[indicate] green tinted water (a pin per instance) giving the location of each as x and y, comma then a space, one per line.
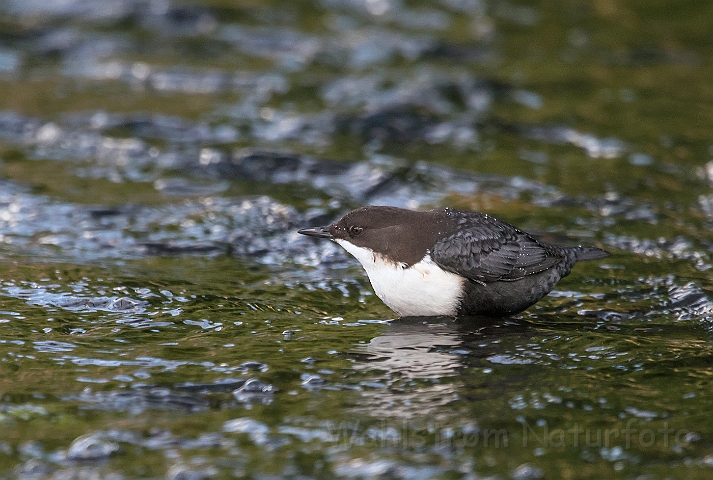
118, 361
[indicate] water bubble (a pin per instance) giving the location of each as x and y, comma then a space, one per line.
91, 447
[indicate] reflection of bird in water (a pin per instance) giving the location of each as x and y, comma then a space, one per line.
419, 359
415, 348
451, 262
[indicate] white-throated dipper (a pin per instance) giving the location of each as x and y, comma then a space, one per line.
451, 262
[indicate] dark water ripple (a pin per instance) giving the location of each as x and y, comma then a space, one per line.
254, 227
139, 401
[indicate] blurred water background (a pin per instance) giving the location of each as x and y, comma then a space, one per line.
160, 317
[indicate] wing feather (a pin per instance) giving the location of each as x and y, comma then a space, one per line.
486, 250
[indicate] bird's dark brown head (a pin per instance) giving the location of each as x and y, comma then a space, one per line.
402, 235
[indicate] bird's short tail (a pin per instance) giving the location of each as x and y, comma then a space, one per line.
589, 253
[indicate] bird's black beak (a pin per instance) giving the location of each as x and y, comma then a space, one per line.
319, 232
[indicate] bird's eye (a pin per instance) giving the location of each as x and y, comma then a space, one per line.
354, 230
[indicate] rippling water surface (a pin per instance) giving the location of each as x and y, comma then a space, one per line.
161, 317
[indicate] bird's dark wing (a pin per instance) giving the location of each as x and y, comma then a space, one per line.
485, 249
